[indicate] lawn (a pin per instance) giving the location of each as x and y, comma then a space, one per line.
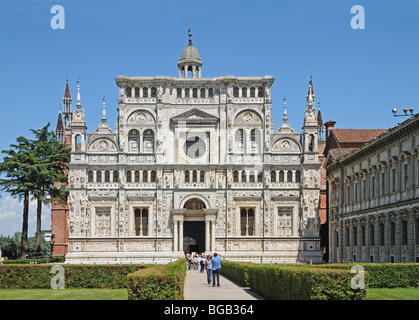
393, 293
65, 294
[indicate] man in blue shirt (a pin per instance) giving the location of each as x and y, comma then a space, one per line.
216, 267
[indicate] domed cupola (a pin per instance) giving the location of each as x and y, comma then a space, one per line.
190, 60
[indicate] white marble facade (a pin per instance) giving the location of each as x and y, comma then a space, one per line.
194, 164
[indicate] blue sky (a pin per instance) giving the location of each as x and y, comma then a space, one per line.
358, 75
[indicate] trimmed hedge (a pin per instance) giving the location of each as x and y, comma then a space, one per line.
294, 283
163, 282
76, 276
386, 275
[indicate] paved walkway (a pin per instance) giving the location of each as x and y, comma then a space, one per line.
197, 288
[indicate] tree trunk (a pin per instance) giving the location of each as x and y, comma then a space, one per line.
38, 226
24, 244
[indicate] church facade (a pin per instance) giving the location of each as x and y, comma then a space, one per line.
193, 165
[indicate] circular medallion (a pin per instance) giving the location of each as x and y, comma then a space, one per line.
141, 117
248, 117
103, 145
194, 147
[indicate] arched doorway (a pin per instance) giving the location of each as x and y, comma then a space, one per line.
194, 226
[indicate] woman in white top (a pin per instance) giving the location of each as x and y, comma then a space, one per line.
208, 266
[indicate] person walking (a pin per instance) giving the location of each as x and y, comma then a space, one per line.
208, 266
202, 262
189, 258
199, 262
216, 268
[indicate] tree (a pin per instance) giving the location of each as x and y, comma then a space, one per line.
18, 166
32, 167
51, 157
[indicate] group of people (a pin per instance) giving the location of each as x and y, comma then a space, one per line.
212, 265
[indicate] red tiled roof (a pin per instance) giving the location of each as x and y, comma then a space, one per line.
356, 135
340, 152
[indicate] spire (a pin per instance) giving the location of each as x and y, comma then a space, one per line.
78, 105
310, 94
104, 111
319, 118
67, 102
285, 119
67, 89
285, 126
60, 126
190, 34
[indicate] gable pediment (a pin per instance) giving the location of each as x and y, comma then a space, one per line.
196, 116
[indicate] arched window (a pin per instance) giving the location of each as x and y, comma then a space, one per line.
252, 177
260, 92
187, 178
194, 93
128, 92
78, 143
179, 92
254, 140
145, 176
90, 176
145, 92
252, 92
194, 176
107, 176
311, 143
289, 176
273, 176
115, 176
244, 92
235, 176
187, 93
210, 93
194, 204
153, 176
297, 176
98, 176
153, 92
243, 176
239, 141
202, 176
134, 140
129, 177
281, 176
148, 140
236, 92
137, 176
202, 92
137, 92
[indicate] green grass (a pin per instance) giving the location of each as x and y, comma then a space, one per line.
411, 293
65, 294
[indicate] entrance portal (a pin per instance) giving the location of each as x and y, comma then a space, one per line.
194, 236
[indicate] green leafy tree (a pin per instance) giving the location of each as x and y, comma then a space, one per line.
32, 167
51, 158
18, 167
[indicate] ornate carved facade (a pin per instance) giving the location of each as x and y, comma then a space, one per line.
194, 164
373, 198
